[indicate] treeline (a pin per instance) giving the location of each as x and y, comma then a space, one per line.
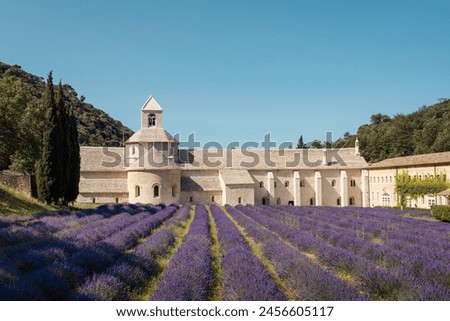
424, 131
22, 118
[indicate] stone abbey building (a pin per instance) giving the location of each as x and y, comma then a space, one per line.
151, 168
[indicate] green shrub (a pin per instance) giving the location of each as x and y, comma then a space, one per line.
441, 212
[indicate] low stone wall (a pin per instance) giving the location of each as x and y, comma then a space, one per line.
19, 182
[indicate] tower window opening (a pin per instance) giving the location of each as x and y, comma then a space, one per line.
152, 120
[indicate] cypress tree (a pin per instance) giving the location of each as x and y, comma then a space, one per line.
47, 170
74, 159
64, 148
300, 143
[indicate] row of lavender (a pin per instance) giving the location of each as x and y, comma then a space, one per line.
189, 274
385, 255
51, 257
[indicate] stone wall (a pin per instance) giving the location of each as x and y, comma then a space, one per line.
19, 182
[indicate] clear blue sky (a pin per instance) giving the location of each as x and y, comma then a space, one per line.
238, 69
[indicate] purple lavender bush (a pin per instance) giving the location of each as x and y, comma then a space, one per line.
244, 276
188, 275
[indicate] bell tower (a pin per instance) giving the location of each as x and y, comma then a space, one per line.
152, 172
151, 114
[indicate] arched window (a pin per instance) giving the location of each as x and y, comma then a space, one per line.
278, 201
174, 190
286, 183
261, 184
338, 201
352, 183
302, 183
93, 200
265, 201
351, 201
137, 191
312, 201
333, 183
191, 199
275, 184
213, 199
117, 200
239, 200
156, 191
151, 120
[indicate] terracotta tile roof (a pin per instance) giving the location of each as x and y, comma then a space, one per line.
101, 159
445, 193
260, 159
103, 186
151, 104
151, 134
413, 161
200, 183
236, 177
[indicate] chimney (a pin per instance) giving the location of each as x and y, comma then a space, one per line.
357, 153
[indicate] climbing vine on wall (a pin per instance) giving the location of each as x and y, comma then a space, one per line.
414, 187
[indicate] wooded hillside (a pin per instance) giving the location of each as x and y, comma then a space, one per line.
425, 131
21, 119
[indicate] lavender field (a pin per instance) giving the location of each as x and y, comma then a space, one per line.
202, 252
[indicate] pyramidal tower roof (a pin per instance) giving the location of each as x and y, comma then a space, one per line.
151, 105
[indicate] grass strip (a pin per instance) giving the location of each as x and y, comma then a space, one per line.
216, 293
256, 249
